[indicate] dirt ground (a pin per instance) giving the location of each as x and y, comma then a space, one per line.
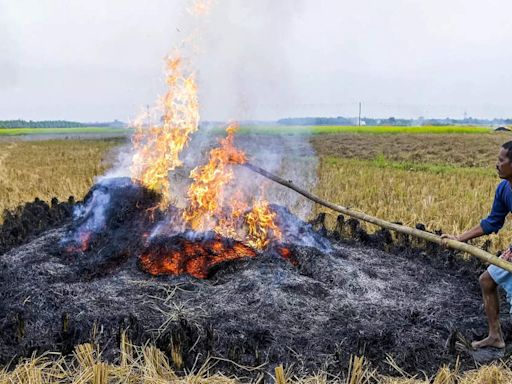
460, 150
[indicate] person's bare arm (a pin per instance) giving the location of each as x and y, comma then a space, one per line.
468, 235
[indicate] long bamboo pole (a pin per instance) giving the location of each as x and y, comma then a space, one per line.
474, 251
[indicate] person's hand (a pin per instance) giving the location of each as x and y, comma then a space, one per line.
507, 255
445, 237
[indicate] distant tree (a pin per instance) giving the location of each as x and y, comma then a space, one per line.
42, 124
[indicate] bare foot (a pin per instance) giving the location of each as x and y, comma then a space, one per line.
489, 341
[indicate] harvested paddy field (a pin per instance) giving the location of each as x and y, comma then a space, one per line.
50, 168
470, 150
446, 182
430, 187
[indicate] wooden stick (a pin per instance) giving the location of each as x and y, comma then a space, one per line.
474, 251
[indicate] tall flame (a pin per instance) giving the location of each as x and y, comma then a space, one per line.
210, 204
158, 146
205, 194
229, 216
215, 201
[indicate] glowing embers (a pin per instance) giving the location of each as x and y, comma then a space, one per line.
178, 255
287, 254
80, 242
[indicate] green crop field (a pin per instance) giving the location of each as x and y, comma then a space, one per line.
269, 129
323, 129
61, 131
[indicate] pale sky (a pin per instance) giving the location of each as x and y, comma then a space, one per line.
92, 60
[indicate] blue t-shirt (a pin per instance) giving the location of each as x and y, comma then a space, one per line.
500, 209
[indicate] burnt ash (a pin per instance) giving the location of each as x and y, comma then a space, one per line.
367, 294
128, 214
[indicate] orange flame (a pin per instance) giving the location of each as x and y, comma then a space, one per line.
260, 221
81, 243
230, 217
205, 194
158, 146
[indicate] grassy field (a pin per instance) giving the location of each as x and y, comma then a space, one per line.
337, 129
61, 131
444, 197
443, 181
270, 129
447, 149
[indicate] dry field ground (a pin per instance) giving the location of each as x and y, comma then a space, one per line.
445, 181
478, 150
60, 168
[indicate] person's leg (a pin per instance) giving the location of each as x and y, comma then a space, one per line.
492, 311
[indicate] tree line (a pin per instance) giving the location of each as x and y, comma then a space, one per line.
55, 124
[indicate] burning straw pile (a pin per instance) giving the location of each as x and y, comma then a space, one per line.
311, 306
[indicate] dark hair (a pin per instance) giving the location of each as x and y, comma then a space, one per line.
508, 147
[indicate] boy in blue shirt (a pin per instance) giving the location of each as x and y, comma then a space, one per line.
494, 276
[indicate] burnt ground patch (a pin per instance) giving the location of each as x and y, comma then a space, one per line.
375, 295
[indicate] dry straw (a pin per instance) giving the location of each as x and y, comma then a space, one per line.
148, 365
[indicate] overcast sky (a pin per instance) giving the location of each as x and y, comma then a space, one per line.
95, 60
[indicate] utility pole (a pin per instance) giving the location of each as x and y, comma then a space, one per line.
359, 120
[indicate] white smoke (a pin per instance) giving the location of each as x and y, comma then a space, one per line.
289, 156
244, 60
92, 216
